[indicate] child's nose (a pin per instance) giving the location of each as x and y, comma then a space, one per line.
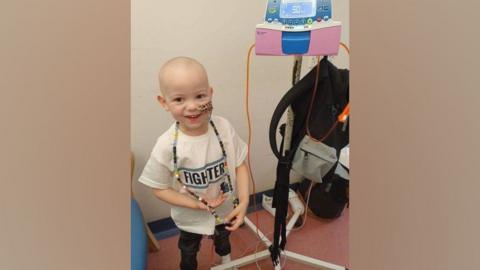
192, 105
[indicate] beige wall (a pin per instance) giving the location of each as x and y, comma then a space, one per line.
219, 36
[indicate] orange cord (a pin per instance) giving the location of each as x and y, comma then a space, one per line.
249, 142
345, 47
346, 112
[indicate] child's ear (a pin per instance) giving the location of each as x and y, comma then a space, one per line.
162, 102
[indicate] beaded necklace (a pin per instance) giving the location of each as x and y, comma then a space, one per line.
218, 219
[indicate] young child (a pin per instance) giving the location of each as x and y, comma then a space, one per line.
198, 165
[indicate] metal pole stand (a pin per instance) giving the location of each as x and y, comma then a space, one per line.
295, 203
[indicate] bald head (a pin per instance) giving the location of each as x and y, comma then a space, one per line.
181, 68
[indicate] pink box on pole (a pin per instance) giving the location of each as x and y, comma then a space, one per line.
324, 38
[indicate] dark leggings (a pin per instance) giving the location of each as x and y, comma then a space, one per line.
189, 244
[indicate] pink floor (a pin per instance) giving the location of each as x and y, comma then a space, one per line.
326, 240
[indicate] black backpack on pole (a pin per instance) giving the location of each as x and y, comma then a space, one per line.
330, 99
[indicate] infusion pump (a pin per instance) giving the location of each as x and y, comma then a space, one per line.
298, 27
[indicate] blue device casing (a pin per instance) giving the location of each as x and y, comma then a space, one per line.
295, 42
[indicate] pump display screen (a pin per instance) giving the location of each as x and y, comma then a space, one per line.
292, 9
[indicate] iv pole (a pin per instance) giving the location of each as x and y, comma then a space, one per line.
297, 207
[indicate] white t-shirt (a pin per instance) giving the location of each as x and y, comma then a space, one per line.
201, 167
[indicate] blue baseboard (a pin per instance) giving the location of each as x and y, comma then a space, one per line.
164, 228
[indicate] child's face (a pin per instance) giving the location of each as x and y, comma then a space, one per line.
184, 91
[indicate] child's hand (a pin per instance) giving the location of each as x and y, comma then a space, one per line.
236, 217
213, 203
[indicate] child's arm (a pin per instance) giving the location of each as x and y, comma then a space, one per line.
238, 214
176, 198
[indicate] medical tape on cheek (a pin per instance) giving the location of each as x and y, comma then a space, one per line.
208, 107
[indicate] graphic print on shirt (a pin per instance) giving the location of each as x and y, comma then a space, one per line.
200, 178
